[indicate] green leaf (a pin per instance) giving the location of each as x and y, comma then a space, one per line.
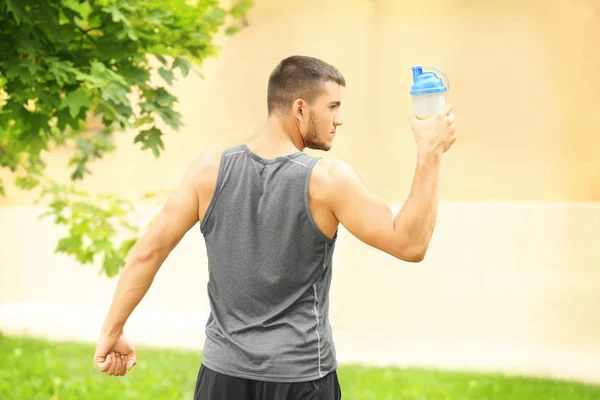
215, 16
36, 122
88, 148
232, 30
62, 71
161, 102
127, 245
112, 263
132, 35
166, 75
12, 68
48, 98
80, 9
49, 19
151, 139
17, 8
117, 15
80, 172
183, 65
71, 10
76, 101
64, 118
241, 8
161, 58
85, 256
88, 208
136, 75
145, 120
113, 86
69, 245
26, 182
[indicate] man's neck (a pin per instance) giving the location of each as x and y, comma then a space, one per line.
278, 137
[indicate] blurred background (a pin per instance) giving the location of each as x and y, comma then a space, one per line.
511, 281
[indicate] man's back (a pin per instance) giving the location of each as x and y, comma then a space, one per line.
319, 186
269, 271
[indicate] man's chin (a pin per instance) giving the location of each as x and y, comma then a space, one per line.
320, 146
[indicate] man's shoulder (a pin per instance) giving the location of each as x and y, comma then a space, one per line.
328, 173
332, 171
205, 169
207, 161
329, 176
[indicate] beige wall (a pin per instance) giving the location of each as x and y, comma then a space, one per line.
511, 279
525, 87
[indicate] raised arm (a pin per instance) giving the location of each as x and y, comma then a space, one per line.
406, 235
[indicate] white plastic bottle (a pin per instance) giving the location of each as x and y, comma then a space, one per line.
428, 92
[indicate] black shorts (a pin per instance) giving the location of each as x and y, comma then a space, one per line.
212, 385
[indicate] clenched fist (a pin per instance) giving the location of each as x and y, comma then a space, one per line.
114, 354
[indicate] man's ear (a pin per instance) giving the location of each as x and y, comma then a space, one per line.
299, 108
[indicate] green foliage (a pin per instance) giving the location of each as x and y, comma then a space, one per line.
95, 224
64, 63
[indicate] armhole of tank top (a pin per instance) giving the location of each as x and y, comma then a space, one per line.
309, 170
216, 193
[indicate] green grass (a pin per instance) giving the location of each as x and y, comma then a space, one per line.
38, 369
420, 384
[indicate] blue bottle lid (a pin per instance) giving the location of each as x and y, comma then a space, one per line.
427, 82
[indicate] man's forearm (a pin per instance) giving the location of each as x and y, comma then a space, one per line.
417, 218
135, 280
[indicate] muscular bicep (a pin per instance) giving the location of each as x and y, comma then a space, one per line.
178, 215
366, 215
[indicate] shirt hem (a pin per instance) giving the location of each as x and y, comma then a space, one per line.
267, 378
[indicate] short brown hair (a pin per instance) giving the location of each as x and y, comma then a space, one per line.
299, 77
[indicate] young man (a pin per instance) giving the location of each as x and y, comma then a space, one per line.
269, 214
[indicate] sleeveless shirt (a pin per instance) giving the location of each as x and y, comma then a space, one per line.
269, 271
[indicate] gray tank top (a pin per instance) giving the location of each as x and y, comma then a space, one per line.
269, 272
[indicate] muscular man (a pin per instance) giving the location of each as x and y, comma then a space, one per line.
269, 214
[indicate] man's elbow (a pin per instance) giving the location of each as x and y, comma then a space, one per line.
417, 258
144, 253
412, 255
